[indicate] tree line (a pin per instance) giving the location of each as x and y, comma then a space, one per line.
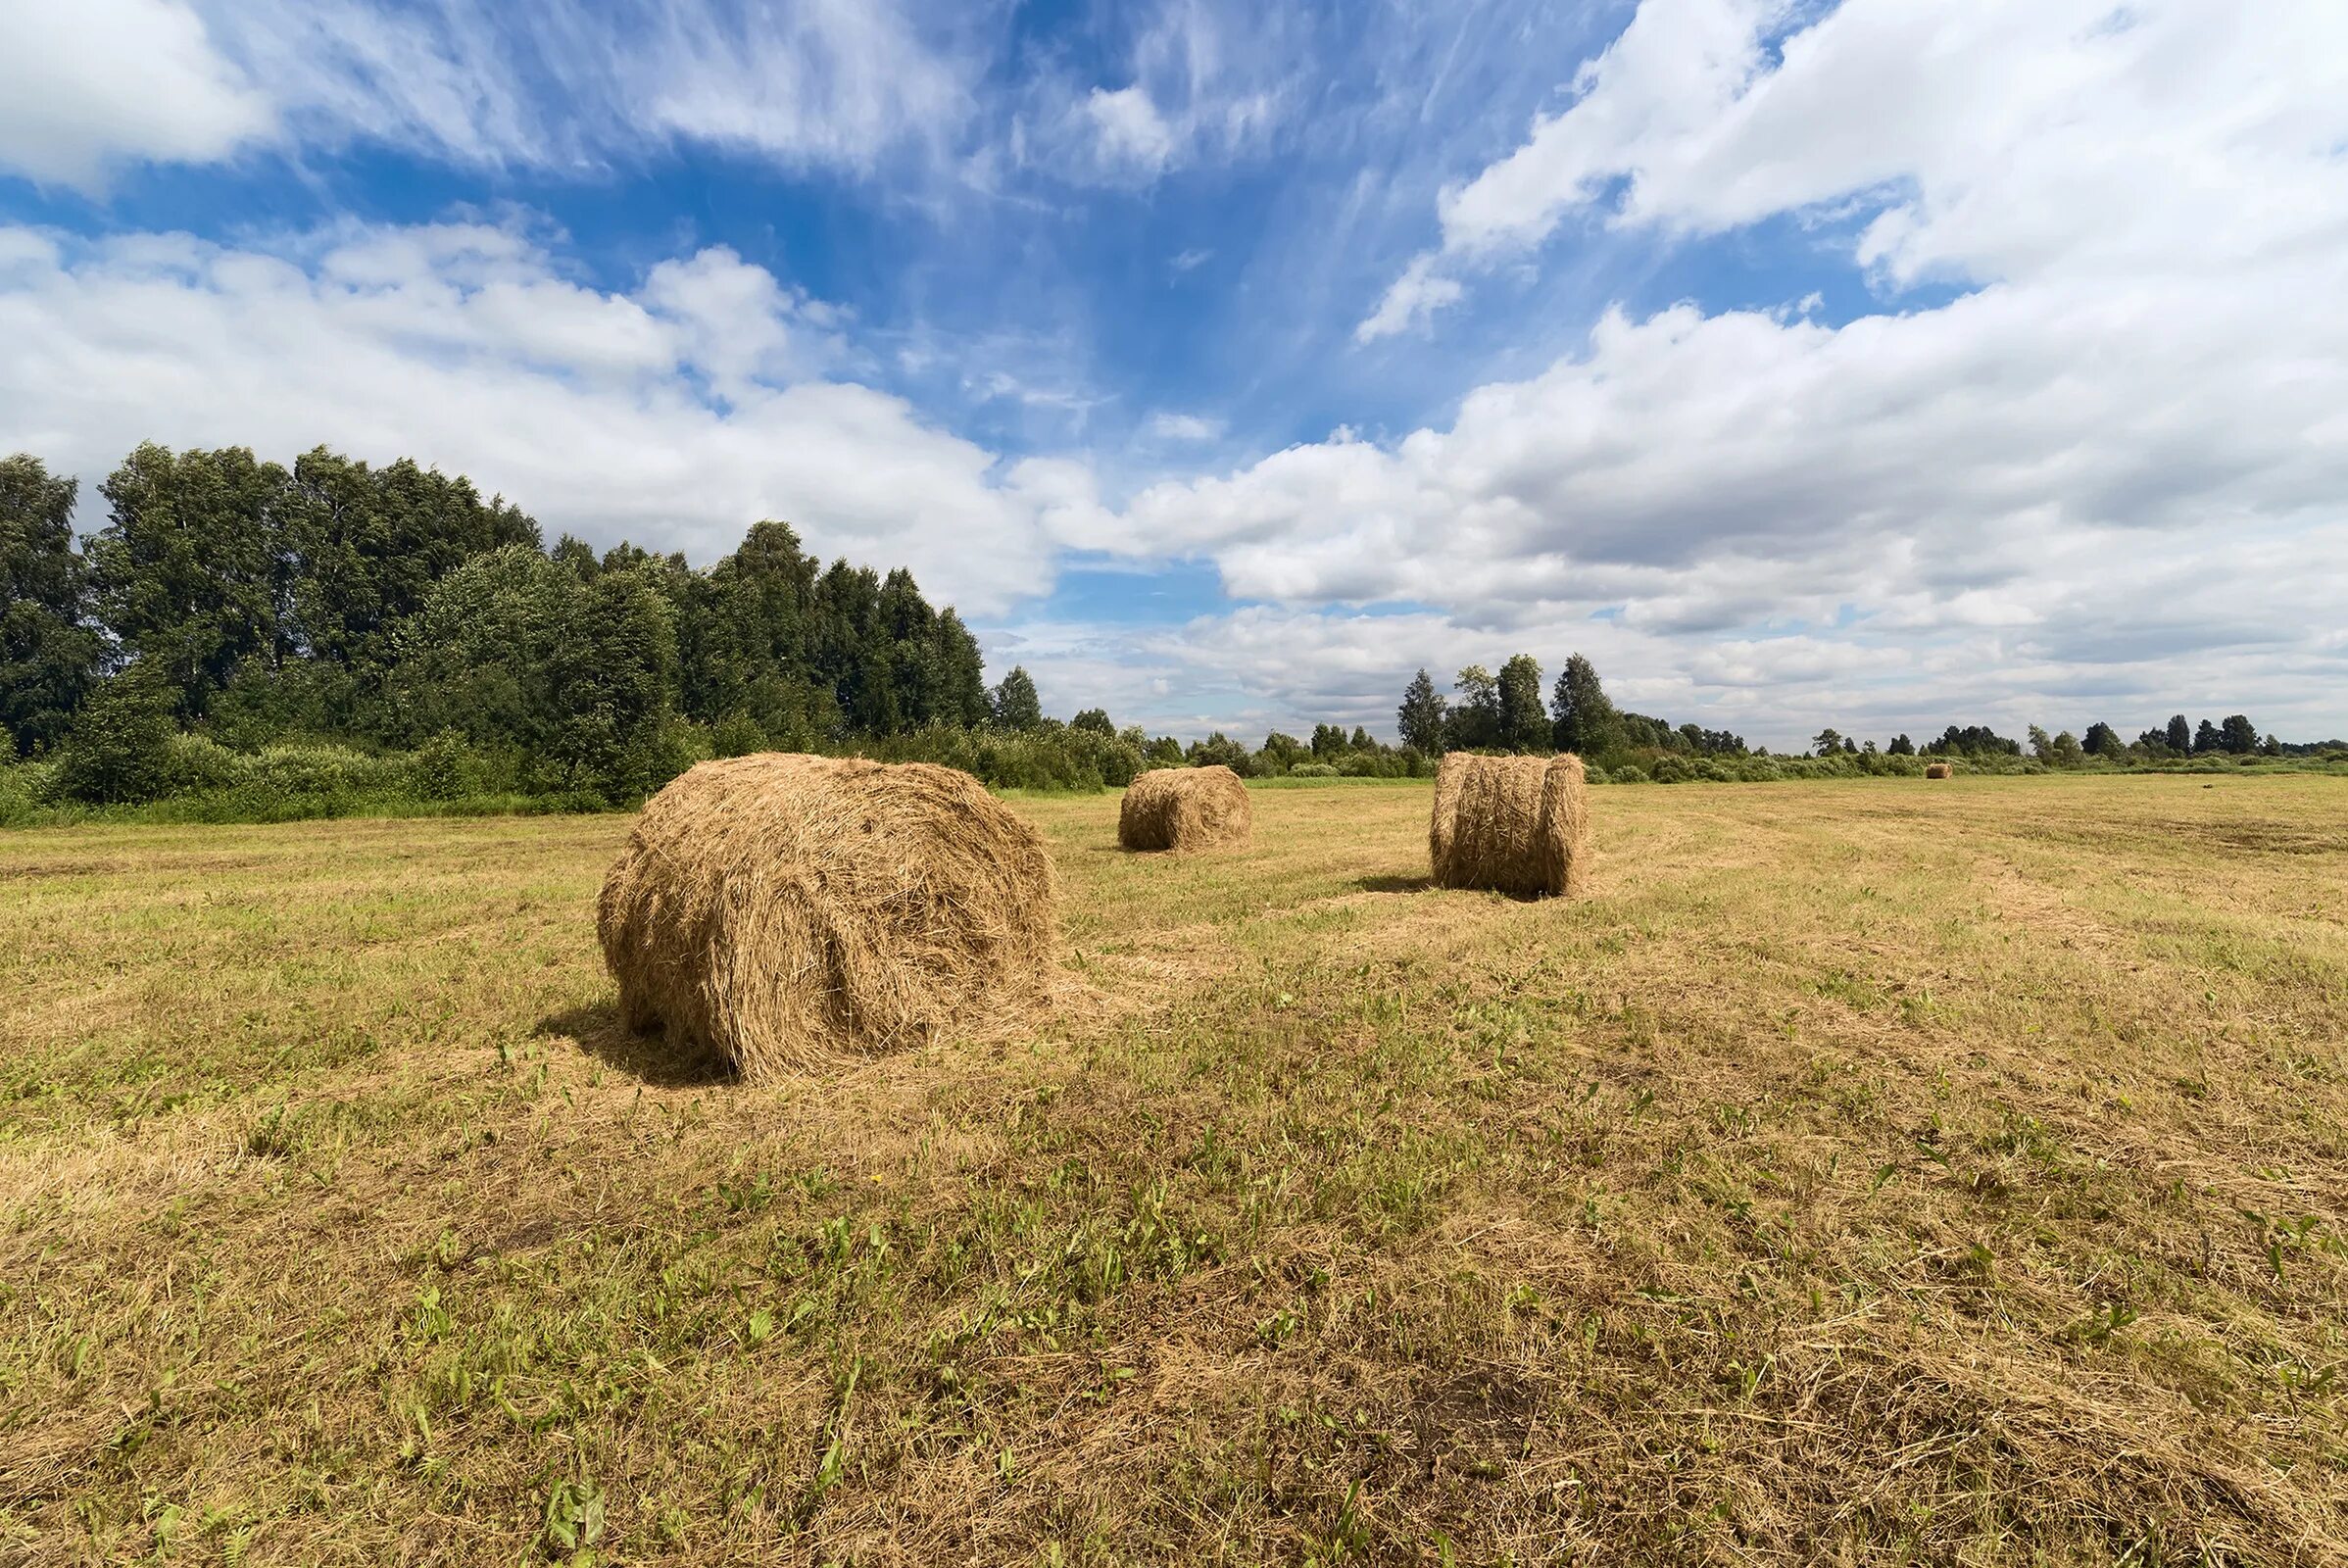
1506, 712
255, 605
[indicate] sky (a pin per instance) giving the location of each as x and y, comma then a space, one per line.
1885, 364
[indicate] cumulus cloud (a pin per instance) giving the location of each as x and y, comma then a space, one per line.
2146, 209
87, 85
467, 346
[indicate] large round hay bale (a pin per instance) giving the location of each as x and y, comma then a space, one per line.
1517, 824
1939, 770
1186, 808
780, 912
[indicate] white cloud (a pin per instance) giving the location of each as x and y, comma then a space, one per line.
1132, 134
88, 84
1413, 297
2001, 137
465, 346
1170, 426
1191, 97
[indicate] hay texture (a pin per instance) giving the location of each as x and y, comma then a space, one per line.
1517, 824
780, 912
1939, 770
1186, 808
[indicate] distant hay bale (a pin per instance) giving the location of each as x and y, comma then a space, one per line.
1186, 808
1517, 824
778, 913
1939, 770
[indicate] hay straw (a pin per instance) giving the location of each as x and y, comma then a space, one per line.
1186, 808
781, 913
1516, 825
1939, 770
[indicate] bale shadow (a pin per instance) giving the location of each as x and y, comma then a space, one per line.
648, 1058
1394, 884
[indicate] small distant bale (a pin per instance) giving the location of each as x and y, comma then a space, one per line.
1939, 770
777, 913
1186, 808
1516, 825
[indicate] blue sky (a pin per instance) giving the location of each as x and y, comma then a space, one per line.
1885, 364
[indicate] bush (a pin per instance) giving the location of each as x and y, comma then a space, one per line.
1628, 774
198, 763
737, 734
24, 787
325, 772
120, 748
1313, 770
445, 768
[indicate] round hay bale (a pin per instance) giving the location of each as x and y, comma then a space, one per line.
1939, 770
780, 912
1517, 824
1186, 808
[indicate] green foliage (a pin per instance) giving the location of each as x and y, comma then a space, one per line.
1049, 757
1220, 750
1014, 702
1584, 719
49, 652
1474, 723
445, 767
1422, 716
737, 734
120, 748
188, 569
1524, 725
1280, 753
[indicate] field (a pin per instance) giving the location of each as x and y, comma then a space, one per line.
1869, 1172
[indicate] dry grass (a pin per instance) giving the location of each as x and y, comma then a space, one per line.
1863, 1174
780, 912
1186, 808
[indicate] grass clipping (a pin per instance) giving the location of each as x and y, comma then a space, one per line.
1518, 824
1186, 808
1939, 770
780, 912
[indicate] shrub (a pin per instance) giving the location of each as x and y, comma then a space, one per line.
24, 787
198, 764
324, 772
120, 748
737, 734
445, 768
1313, 770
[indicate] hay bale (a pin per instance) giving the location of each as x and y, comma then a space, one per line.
780, 912
1939, 770
1186, 808
1518, 824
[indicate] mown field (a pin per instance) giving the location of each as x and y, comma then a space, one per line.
1870, 1172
